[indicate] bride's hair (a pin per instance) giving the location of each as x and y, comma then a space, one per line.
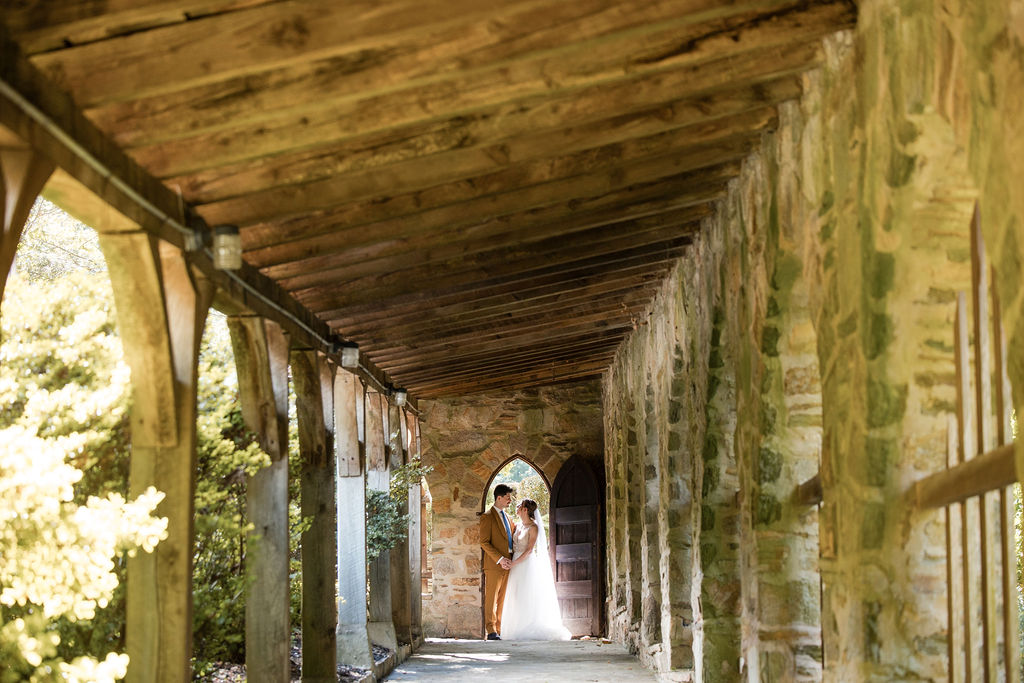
531, 507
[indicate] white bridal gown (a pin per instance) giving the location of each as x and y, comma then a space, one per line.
531, 607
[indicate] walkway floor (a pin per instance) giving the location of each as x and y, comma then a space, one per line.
574, 661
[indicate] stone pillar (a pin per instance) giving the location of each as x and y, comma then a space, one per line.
378, 478
401, 605
314, 399
23, 173
349, 406
416, 528
720, 590
161, 309
261, 360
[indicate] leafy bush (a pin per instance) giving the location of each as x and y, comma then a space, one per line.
387, 512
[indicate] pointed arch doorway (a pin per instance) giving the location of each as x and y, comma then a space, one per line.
529, 482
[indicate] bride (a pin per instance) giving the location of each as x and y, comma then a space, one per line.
531, 607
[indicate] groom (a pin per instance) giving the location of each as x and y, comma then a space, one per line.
496, 540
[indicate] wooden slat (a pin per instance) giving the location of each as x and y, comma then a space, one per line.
575, 513
984, 441
963, 429
573, 551
573, 589
1007, 531
987, 472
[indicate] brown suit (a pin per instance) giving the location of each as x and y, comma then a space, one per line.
494, 541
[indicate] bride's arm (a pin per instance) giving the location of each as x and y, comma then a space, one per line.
531, 541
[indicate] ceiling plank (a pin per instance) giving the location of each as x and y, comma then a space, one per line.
536, 111
506, 291
413, 155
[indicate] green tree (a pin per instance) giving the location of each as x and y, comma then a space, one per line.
67, 525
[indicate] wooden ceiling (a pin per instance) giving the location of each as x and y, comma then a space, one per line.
482, 195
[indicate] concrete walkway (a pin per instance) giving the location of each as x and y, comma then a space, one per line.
574, 661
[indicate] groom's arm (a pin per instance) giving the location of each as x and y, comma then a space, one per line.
486, 542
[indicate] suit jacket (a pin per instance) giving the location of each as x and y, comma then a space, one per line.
493, 538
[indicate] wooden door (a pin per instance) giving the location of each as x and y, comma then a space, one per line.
576, 547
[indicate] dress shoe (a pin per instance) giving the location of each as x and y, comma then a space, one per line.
493, 636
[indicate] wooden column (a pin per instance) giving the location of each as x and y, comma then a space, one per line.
261, 360
378, 477
314, 398
349, 406
23, 172
416, 528
401, 601
161, 309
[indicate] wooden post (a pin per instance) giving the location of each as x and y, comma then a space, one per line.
378, 477
261, 360
161, 309
353, 637
23, 172
314, 398
416, 528
401, 601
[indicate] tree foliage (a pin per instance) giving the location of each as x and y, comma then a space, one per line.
66, 524
387, 512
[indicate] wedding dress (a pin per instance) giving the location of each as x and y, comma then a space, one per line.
531, 607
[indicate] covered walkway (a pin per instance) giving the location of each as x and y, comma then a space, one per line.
444, 659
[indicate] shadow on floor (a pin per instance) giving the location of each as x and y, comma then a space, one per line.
575, 661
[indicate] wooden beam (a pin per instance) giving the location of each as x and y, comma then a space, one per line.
504, 292
56, 25
551, 375
427, 324
23, 172
481, 359
386, 285
510, 256
541, 276
47, 119
686, 188
376, 163
627, 307
261, 362
635, 78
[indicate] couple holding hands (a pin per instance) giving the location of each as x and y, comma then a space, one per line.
519, 591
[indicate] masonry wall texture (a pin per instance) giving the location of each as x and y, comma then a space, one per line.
811, 325
466, 441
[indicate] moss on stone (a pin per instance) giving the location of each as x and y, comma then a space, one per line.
770, 336
827, 201
715, 359
675, 441
881, 273
787, 271
675, 411
713, 383
848, 326
886, 403
710, 482
767, 510
872, 530
772, 308
769, 466
710, 447
708, 555
900, 169
707, 518
879, 335
879, 453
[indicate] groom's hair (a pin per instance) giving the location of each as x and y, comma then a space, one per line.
502, 489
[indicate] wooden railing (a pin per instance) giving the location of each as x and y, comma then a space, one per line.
981, 562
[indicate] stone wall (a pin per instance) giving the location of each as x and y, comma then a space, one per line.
812, 323
466, 441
